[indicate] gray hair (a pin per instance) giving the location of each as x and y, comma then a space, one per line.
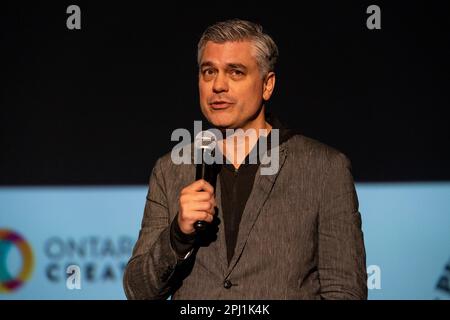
241, 30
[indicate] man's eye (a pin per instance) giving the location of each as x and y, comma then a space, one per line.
237, 72
208, 72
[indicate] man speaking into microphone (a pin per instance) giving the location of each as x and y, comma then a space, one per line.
246, 232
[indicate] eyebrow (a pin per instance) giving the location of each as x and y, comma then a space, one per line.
236, 66
207, 64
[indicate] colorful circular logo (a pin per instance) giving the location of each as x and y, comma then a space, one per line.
9, 282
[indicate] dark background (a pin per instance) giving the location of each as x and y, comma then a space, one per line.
98, 105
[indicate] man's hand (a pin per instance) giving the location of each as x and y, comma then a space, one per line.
196, 202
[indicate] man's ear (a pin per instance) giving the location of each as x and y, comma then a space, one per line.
269, 85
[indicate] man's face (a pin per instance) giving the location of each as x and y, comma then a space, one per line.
231, 86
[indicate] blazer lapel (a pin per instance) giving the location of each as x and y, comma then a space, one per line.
219, 246
261, 189
222, 248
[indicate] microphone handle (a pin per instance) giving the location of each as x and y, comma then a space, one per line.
200, 173
200, 225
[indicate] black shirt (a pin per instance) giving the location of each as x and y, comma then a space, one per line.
236, 186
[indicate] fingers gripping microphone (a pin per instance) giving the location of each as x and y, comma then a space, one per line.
205, 142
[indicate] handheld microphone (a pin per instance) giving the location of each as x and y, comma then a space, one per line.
205, 141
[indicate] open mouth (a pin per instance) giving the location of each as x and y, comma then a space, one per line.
219, 105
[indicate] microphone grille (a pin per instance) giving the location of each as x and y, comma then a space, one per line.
205, 140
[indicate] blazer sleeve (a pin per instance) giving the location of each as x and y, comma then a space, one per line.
153, 262
342, 257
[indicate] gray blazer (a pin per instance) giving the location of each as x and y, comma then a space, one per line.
300, 235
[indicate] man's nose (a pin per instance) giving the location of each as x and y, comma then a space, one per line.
220, 83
